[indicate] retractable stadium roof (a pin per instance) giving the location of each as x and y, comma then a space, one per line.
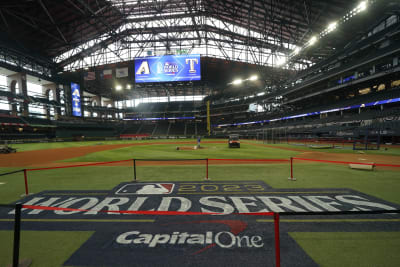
49, 28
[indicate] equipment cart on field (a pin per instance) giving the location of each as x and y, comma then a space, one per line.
234, 141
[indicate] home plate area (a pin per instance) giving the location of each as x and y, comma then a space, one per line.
213, 229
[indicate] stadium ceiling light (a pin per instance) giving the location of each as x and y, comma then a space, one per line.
128, 86
332, 26
313, 40
118, 87
296, 51
253, 78
237, 82
362, 6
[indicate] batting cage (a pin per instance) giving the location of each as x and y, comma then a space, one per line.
368, 140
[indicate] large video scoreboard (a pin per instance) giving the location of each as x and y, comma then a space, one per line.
170, 68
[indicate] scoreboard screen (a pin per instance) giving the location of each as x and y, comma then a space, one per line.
168, 68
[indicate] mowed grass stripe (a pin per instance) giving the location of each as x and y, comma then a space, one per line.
45, 248
331, 249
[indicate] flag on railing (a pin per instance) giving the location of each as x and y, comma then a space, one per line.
122, 72
89, 76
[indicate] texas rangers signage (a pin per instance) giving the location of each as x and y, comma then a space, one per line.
167, 68
76, 100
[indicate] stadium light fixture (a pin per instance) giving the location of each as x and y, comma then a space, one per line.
237, 81
128, 86
118, 87
253, 78
296, 51
362, 6
313, 40
332, 26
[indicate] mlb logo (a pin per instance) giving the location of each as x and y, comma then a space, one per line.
146, 189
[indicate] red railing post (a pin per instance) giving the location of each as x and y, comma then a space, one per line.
26, 182
206, 168
277, 242
134, 170
291, 168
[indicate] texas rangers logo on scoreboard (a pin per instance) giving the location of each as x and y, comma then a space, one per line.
167, 68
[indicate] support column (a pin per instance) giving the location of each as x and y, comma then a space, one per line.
110, 102
14, 81
96, 102
67, 99
57, 113
46, 89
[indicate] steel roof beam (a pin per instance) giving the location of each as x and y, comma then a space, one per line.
52, 21
36, 27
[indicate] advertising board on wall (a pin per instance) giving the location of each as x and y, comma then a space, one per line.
76, 100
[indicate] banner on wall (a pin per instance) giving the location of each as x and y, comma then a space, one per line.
76, 100
121, 72
170, 68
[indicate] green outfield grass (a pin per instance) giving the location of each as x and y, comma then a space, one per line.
218, 151
43, 247
394, 151
382, 183
326, 248
351, 248
387, 150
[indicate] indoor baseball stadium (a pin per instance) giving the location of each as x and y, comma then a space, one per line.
199, 133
